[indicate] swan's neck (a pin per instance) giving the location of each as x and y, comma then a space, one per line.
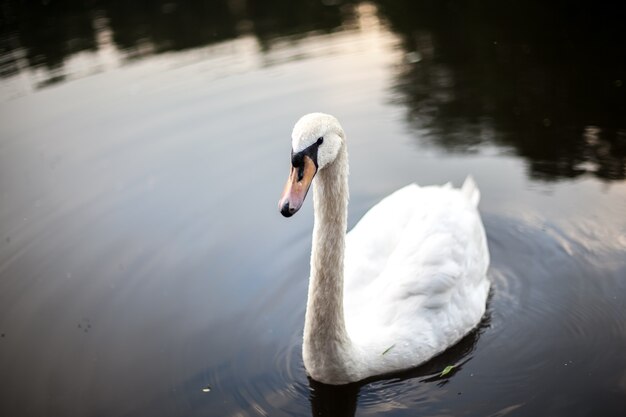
326, 343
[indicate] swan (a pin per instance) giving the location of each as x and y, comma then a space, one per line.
409, 280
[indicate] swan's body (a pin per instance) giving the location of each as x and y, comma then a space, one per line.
405, 284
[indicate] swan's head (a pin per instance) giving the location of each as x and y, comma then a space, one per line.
315, 143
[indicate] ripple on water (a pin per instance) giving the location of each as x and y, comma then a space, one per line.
553, 314
267, 392
267, 378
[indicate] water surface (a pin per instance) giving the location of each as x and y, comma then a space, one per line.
145, 269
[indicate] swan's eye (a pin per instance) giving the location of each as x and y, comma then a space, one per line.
320, 141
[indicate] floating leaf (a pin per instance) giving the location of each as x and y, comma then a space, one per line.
447, 370
389, 348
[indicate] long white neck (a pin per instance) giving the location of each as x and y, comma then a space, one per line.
327, 347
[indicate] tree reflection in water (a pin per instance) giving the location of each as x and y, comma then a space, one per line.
543, 80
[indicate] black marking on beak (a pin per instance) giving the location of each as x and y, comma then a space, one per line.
297, 159
287, 211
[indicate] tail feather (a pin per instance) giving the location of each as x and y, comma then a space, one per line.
470, 190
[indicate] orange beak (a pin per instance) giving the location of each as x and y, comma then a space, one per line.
297, 186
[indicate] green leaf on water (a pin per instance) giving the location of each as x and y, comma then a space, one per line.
447, 370
389, 348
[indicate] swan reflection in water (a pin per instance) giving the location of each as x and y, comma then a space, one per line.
342, 400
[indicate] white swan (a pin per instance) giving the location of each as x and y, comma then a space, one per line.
413, 279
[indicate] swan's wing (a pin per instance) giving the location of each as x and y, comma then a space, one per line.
372, 240
416, 264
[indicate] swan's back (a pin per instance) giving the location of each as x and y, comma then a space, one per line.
415, 273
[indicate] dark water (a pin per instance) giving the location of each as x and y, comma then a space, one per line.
145, 270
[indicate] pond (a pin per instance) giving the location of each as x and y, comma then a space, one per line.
145, 268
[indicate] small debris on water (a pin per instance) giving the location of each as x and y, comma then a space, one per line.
206, 389
84, 325
447, 370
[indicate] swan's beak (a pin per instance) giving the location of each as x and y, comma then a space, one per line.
297, 186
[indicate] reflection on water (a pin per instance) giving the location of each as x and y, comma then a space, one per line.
553, 92
51, 41
392, 392
144, 269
